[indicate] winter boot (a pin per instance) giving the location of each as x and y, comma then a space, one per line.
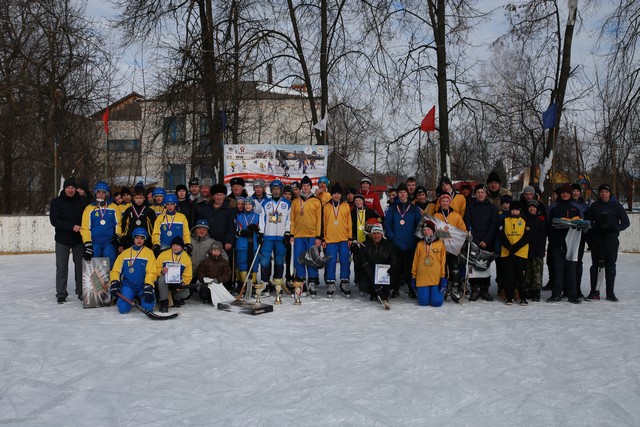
508, 301
344, 288
163, 306
593, 295
485, 295
475, 293
612, 297
524, 302
535, 295
331, 288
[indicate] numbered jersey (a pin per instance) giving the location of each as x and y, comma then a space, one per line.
275, 219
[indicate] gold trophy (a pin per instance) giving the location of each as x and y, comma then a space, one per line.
258, 288
297, 284
278, 283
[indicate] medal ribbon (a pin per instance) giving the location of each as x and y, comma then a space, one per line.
102, 211
336, 208
360, 216
302, 204
133, 207
427, 248
173, 259
402, 214
169, 224
130, 262
247, 222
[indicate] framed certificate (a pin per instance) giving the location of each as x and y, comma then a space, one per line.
381, 275
173, 274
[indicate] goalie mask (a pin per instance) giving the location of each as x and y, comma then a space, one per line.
313, 258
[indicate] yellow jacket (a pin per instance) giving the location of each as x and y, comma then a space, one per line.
306, 217
341, 232
182, 258
431, 273
135, 269
179, 227
453, 218
514, 229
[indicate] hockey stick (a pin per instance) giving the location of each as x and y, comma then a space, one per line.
150, 314
467, 272
247, 294
601, 272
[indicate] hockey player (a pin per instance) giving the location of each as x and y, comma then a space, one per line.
360, 215
428, 270
173, 256
100, 225
322, 192
259, 195
247, 228
134, 273
452, 218
135, 216
275, 227
306, 229
400, 223
514, 234
157, 206
170, 224
337, 236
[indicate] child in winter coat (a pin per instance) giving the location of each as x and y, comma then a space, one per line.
214, 267
514, 237
247, 240
428, 272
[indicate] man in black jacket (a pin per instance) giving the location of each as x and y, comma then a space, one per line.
376, 250
609, 219
66, 217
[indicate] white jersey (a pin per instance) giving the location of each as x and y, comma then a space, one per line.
275, 219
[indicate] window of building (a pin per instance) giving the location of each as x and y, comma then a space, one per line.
128, 145
175, 175
174, 130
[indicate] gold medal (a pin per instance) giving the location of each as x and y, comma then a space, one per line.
427, 261
361, 227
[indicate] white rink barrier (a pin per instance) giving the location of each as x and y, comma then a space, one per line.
22, 233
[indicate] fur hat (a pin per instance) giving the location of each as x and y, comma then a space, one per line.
218, 188
206, 182
236, 181
493, 177
306, 180
180, 187
70, 182
564, 188
336, 188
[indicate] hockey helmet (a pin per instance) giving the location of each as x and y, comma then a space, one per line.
171, 198
276, 183
159, 191
101, 186
313, 258
140, 232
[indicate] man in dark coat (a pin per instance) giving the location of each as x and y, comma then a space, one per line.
609, 219
481, 218
66, 217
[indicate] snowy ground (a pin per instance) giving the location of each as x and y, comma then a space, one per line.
326, 362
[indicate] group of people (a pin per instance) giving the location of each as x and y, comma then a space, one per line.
160, 244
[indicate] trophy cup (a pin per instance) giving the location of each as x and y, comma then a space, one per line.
278, 284
258, 288
297, 284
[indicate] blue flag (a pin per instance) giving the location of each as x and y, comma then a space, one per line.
549, 117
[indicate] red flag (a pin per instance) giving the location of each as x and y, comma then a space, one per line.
105, 120
429, 122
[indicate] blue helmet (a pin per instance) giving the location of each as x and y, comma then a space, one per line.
159, 191
323, 179
276, 183
101, 186
140, 232
170, 198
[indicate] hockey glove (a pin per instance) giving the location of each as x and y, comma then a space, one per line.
156, 250
188, 248
253, 228
413, 285
442, 286
246, 233
116, 241
260, 238
88, 251
148, 296
115, 288
287, 238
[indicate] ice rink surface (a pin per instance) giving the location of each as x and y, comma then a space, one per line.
327, 362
